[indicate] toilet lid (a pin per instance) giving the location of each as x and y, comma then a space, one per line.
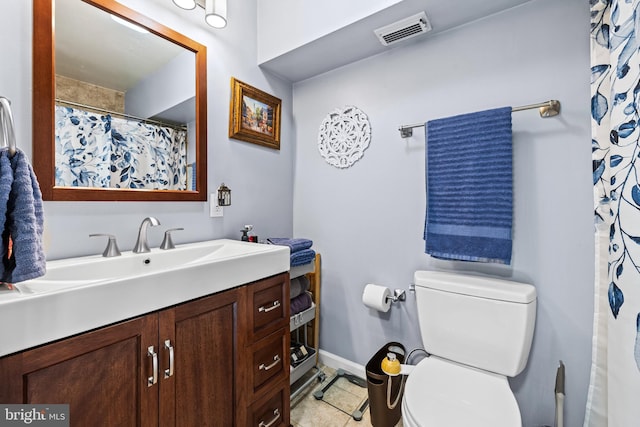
443, 393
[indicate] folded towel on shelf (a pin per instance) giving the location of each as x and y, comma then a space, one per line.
24, 225
302, 257
300, 303
470, 187
295, 245
298, 286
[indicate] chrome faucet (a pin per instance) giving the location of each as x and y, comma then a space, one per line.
141, 244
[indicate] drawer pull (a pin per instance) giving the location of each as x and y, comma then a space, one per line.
264, 309
276, 416
154, 357
276, 360
169, 372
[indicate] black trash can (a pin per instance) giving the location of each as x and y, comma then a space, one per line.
377, 387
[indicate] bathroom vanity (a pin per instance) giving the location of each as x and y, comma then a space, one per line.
221, 358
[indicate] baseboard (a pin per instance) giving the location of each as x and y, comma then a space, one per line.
336, 362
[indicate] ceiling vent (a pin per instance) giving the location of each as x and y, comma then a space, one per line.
403, 29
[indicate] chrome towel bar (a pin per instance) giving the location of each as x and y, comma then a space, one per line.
547, 109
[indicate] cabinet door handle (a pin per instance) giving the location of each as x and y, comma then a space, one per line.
276, 360
169, 372
264, 309
276, 416
154, 357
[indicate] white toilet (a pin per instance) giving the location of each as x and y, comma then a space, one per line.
478, 331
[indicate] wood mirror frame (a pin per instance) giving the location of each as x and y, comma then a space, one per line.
43, 148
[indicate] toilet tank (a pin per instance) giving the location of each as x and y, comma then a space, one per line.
478, 321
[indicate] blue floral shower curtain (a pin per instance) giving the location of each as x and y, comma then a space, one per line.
94, 150
147, 156
82, 148
615, 115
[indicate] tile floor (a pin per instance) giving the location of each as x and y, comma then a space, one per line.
307, 411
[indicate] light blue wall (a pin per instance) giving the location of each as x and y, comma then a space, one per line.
367, 221
162, 90
260, 178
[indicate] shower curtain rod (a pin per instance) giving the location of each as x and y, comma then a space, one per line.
547, 109
123, 115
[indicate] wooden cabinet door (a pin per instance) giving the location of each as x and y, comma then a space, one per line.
103, 375
202, 388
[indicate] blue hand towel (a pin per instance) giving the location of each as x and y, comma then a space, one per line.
24, 224
6, 181
294, 244
302, 257
470, 187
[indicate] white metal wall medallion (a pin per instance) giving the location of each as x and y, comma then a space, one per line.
344, 135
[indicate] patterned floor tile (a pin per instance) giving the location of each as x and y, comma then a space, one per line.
307, 411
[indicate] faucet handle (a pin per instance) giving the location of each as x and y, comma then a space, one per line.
112, 247
167, 243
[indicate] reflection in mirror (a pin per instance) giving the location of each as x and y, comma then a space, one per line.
126, 105
121, 114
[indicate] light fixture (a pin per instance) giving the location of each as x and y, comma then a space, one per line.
185, 4
216, 13
215, 10
224, 195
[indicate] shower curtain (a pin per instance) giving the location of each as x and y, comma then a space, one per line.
147, 156
94, 150
615, 94
82, 148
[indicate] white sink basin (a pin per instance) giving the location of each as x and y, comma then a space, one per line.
79, 294
75, 272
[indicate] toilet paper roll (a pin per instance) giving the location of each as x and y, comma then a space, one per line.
377, 297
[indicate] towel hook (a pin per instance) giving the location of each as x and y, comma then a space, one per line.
6, 125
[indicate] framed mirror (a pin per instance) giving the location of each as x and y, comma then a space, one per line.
119, 105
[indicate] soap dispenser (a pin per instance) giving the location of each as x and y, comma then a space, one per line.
245, 231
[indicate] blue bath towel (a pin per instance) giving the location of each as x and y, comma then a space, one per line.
470, 187
294, 244
24, 224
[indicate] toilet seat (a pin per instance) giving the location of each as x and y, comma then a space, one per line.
444, 393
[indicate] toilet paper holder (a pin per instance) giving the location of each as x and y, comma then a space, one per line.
398, 295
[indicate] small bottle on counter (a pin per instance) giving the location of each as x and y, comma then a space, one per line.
245, 231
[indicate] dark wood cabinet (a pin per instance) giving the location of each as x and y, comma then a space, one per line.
187, 365
102, 375
202, 337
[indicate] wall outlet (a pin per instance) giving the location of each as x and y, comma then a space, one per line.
215, 211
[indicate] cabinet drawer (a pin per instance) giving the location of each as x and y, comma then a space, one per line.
268, 305
271, 411
269, 360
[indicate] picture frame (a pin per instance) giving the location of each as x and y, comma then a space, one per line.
254, 115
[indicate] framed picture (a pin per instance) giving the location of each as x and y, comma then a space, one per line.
254, 115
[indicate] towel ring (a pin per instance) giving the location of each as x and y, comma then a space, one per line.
6, 125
